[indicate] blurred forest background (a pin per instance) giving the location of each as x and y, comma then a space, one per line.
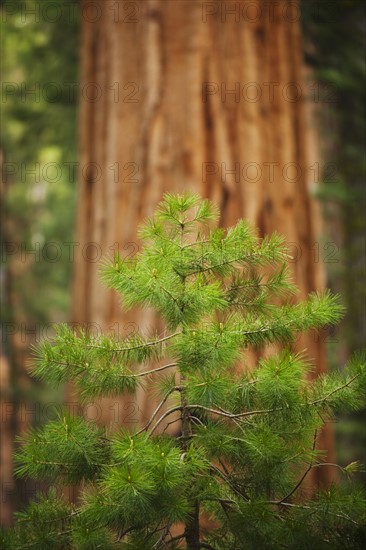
39, 201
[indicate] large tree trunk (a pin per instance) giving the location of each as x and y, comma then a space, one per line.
185, 95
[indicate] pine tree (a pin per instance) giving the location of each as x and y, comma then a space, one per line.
232, 476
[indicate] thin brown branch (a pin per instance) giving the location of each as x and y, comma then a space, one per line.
148, 424
321, 399
233, 415
304, 507
228, 481
129, 375
227, 262
299, 483
152, 371
171, 422
167, 413
138, 346
203, 241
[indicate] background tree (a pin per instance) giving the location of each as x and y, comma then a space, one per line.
38, 143
335, 43
175, 112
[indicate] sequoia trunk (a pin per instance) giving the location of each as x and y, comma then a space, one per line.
188, 95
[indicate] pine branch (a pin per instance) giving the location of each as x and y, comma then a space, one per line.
305, 507
228, 482
167, 413
82, 368
53, 520
153, 371
336, 390
189, 245
139, 346
170, 423
246, 257
227, 414
302, 477
234, 415
176, 388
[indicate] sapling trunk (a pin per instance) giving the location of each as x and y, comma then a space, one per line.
192, 527
191, 531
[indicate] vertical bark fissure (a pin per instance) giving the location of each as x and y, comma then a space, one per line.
154, 72
208, 123
306, 237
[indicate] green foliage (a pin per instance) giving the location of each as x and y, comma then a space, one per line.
69, 448
44, 525
39, 73
335, 44
38, 140
232, 477
335, 38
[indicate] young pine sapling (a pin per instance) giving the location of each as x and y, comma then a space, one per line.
232, 476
